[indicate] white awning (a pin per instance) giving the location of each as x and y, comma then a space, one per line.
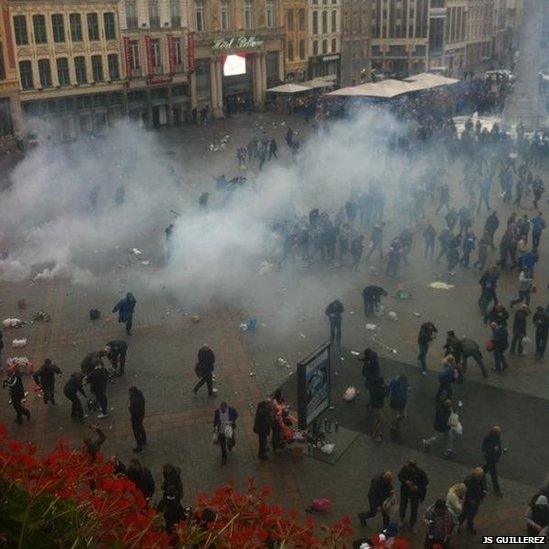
289, 88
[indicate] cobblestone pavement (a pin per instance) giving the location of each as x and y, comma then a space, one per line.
164, 342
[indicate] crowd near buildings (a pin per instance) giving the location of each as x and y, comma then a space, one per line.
164, 62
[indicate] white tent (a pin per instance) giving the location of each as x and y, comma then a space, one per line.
289, 88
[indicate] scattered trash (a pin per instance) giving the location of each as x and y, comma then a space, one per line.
252, 374
327, 448
12, 323
145, 262
460, 403
350, 394
440, 285
283, 362
265, 267
19, 342
249, 326
391, 315
403, 294
356, 353
135, 251
22, 304
41, 316
416, 313
371, 327
351, 312
22, 362
195, 319
302, 335
332, 408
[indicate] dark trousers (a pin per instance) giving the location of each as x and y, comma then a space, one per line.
48, 392
208, 380
119, 362
335, 330
129, 324
405, 495
263, 437
77, 412
516, 343
225, 443
101, 398
139, 431
423, 348
535, 239
523, 296
369, 306
376, 245
500, 360
477, 357
490, 468
373, 512
20, 410
470, 510
429, 250
541, 342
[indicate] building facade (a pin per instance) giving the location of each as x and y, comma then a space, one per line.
480, 32
10, 107
68, 56
237, 52
296, 52
324, 38
355, 42
155, 44
400, 36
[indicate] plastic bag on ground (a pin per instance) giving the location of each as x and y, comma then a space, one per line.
350, 394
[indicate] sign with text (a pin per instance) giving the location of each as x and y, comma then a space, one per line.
313, 385
237, 43
190, 53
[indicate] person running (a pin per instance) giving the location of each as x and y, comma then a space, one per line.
17, 394
204, 370
44, 377
125, 308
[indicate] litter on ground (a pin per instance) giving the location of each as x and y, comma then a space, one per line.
371, 327
391, 315
355, 353
19, 342
12, 323
265, 267
41, 316
135, 251
437, 285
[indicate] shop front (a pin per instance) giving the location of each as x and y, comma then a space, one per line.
325, 65
232, 73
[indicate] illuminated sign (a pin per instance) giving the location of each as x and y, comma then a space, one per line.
240, 43
233, 65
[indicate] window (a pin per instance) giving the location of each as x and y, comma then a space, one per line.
175, 13
63, 71
302, 49
334, 45
315, 47
39, 24
156, 58
58, 27
80, 69
2, 66
176, 46
270, 13
301, 20
154, 15
324, 21
290, 20
25, 73
110, 27
290, 50
76, 27
131, 14
114, 71
225, 15
93, 26
200, 15
97, 68
324, 46
334, 21
44, 71
315, 22
20, 30
248, 14
134, 55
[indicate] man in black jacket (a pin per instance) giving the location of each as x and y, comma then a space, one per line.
492, 450
204, 369
71, 390
442, 427
541, 322
116, 353
519, 329
98, 380
262, 426
488, 283
371, 295
334, 312
142, 478
17, 394
491, 226
427, 332
476, 491
44, 377
413, 488
370, 369
137, 414
500, 336
380, 498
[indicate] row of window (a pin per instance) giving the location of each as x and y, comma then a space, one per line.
226, 11
156, 56
324, 47
324, 21
300, 19
63, 74
154, 14
58, 28
301, 53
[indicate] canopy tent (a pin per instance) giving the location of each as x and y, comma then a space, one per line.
320, 82
429, 80
289, 88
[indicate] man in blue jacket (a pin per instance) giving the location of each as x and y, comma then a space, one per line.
125, 308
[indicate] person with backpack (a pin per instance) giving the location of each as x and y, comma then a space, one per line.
441, 523
398, 399
204, 369
44, 377
427, 333
142, 478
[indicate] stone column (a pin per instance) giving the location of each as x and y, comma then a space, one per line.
219, 74
263, 65
281, 65
216, 88
192, 91
213, 85
170, 107
256, 79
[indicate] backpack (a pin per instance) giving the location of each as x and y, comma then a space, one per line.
199, 369
94, 314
